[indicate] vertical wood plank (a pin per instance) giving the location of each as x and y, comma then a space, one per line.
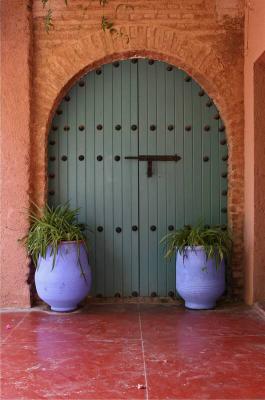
134, 181
99, 183
63, 151
214, 164
73, 178
223, 170
179, 134
170, 169
125, 206
162, 131
81, 152
198, 131
143, 184
53, 162
206, 167
152, 181
117, 177
109, 228
188, 151
90, 173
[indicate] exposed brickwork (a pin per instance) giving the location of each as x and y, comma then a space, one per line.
203, 37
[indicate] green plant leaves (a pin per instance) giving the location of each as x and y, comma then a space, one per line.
51, 226
217, 243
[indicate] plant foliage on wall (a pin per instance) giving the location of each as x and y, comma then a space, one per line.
107, 24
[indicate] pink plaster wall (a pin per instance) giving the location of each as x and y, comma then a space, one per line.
15, 134
254, 216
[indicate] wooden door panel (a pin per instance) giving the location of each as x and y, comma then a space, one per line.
130, 109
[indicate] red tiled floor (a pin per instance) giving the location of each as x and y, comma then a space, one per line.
106, 351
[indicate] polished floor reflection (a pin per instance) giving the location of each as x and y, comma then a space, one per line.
134, 351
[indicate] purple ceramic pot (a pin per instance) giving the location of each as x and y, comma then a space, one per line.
198, 280
64, 286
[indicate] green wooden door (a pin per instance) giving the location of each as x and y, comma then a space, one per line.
132, 108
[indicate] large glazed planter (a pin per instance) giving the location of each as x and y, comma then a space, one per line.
64, 286
198, 281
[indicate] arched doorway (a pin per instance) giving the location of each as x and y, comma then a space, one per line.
137, 108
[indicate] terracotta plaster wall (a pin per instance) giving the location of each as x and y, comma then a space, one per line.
254, 151
15, 149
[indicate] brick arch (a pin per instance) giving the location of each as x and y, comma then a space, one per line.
65, 66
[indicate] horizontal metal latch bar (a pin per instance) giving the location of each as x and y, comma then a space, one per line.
174, 157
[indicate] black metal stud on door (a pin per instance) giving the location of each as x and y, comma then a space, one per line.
118, 229
153, 228
171, 227
100, 228
134, 228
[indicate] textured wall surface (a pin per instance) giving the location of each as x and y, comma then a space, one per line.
15, 149
259, 187
203, 37
254, 151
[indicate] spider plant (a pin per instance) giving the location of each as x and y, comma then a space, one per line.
215, 241
49, 227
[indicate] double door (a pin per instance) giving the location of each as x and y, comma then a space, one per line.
176, 173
